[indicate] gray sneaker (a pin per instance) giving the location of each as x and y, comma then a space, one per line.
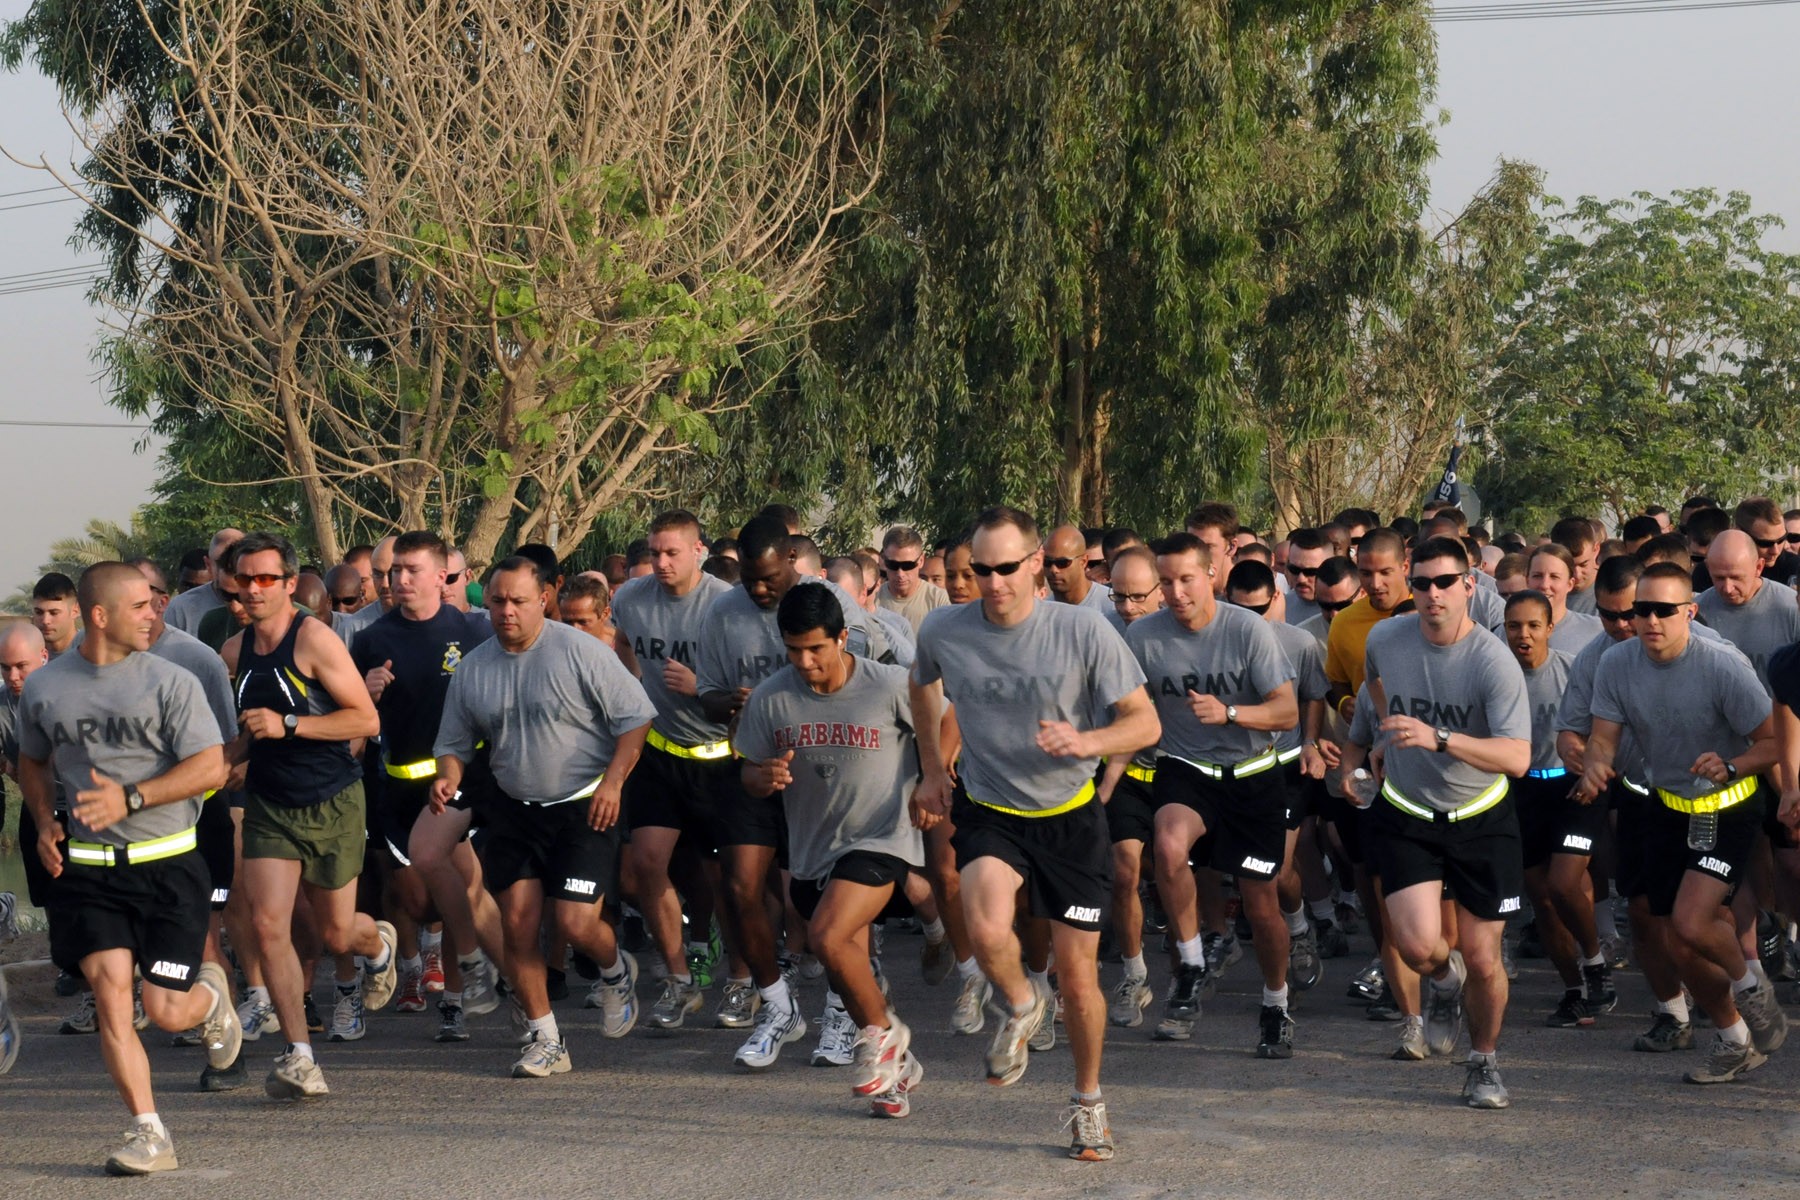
1443, 1010
82, 1020
9, 1031
1173, 1029
1010, 1050
837, 1039
1305, 969
145, 1151
9, 917
775, 1028
257, 1018
936, 961
295, 1078
1129, 1000
1726, 1061
1768, 1024
678, 1001
453, 1026
1091, 1139
378, 985
1412, 1046
1482, 1087
1222, 950
480, 996
220, 1033
347, 1023
969, 1016
542, 1058
1665, 1034
1044, 1036
738, 1009
617, 1002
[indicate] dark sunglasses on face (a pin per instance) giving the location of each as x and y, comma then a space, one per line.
1768, 543
1613, 614
231, 597
1132, 597
1654, 608
1005, 568
1792, 539
895, 564
1062, 564
452, 576
261, 581
1261, 610
1303, 572
344, 601
1442, 583
1336, 606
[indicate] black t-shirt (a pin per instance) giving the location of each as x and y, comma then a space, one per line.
425, 655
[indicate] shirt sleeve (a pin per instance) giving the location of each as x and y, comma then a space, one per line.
189, 726
1607, 703
1114, 672
1309, 673
755, 738
1268, 662
34, 742
711, 669
456, 734
925, 668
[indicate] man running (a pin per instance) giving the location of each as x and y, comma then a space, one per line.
1307, 551
186, 610
1042, 693
1065, 569
55, 612
833, 736
130, 739
906, 590
564, 724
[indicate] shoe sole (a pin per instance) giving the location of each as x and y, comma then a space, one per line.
562, 1068
1647, 1047
451, 1037
1168, 1031
901, 1103
1491, 1104
358, 1036
1405, 1054
126, 1171
410, 1006
1091, 1154
281, 1089
223, 1081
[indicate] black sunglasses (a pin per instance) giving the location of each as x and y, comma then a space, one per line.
344, 601
1768, 543
1655, 608
1613, 614
1005, 568
894, 564
1303, 572
1261, 610
1442, 583
452, 576
1336, 606
1062, 564
1792, 539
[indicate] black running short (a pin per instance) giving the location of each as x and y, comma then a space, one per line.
1066, 860
1131, 813
217, 834
865, 867
1480, 859
1668, 858
1294, 794
551, 843
38, 884
157, 910
1246, 819
666, 791
1552, 823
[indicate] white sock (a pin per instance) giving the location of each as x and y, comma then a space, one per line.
379, 962
301, 1050
934, 931
1595, 961
259, 994
1276, 998
1737, 1033
152, 1120
1747, 984
544, 1028
432, 943
1193, 953
1451, 980
1322, 910
1677, 1008
777, 994
1756, 969
1040, 980
616, 973
1135, 968
413, 966
1296, 921
833, 1000
968, 968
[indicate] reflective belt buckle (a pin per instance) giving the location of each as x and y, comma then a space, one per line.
1547, 773
1222, 771
1494, 793
1141, 774
413, 771
706, 753
1288, 756
1717, 801
102, 854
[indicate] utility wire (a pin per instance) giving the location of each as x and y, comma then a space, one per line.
1457, 14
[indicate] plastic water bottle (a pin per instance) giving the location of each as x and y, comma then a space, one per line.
1363, 788
1703, 830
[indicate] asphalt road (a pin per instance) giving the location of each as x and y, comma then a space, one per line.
669, 1116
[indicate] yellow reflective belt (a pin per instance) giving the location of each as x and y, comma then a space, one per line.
414, 770
1243, 770
712, 750
1080, 798
1495, 793
99, 854
1717, 801
1142, 774
1288, 756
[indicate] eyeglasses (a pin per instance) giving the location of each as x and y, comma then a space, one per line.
895, 564
1119, 597
1062, 564
1654, 608
231, 597
452, 576
1613, 614
345, 601
1303, 572
1768, 543
1336, 606
1699, 558
261, 581
1792, 539
1261, 610
156, 591
1005, 568
1441, 583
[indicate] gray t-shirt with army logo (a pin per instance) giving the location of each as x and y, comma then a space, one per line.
195, 656
1574, 632
551, 714
1472, 686
1769, 621
1234, 657
1705, 698
855, 763
1307, 655
130, 720
1544, 687
660, 627
740, 643
1061, 663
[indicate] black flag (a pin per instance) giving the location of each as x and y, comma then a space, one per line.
1447, 491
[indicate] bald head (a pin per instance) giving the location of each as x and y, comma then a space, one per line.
380, 563
343, 588
1733, 561
22, 651
1065, 564
1066, 541
221, 541
309, 591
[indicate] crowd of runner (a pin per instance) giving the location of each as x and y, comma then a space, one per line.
738, 760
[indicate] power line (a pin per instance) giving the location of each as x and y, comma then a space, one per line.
71, 424
1456, 14
39, 203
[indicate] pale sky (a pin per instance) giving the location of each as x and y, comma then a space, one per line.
1606, 105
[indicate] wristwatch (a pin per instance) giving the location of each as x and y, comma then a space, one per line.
1443, 740
292, 723
1730, 769
1231, 714
134, 799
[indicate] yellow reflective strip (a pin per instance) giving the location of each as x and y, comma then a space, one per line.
297, 682
1243, 770
1080, 798
710, 750
1288, 756
1142, 774
1717, 801
415, 770
101, 854
1492, 795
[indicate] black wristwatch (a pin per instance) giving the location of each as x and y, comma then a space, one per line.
1443, 740
291, 723
1231, 714
1730, 769
134, 799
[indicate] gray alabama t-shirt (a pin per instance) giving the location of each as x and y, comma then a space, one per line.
659, 627
1061, 663
1758, 628
550, 714
855, 763
1234, 657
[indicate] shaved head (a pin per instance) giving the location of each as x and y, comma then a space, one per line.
105, 584
1066, 541
1732, 549
20, 637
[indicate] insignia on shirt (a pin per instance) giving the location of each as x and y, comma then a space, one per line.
452, 658
826, 771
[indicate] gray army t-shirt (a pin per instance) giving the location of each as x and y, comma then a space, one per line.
348, 625
1472, 686
1299, 611
1758, 628
1307, 656
1234, 657
1488, 610
195, 656
900, 635
551, 714
185, 610
1574, 632
1705, 698
1061, 663
855, 763
131, 720
740, 643
1544, 689
659, 627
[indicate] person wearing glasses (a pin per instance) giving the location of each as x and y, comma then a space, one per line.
301, 702
343, 590
457, 578
186, 610
1042, 693
350, 625
1065, 571
1704, 726
1307, 551
1454, 702
1758, 517
906, 590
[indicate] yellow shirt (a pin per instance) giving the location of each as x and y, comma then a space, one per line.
1345, 645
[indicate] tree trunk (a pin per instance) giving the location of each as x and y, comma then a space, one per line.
1071, 493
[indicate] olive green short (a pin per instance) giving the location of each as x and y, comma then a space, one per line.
327, 839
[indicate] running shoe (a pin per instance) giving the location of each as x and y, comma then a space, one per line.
82, 1020
1507, 965
186, 1038
378, 985
411, 997
775, 1028
1332, 942
789, 966
257, 1017
1044, 1036
145, 1151
453, 1025
295, 1078
1276, 1029
1304, 968
837, 1039
1666, 1033
347, 1017
481, 992
9, 917
1173, 1029
1572, 1012
220, 1032
1222, 950
68, 984
433, 975
811, 968
1091, 1139
1412, 1046
617, 1002
1726, 1061
1129, 1000
1010, 1050
678, 1001
1768, 1024
738, 1009
1771, 946
897, 1101
1443, 1008
10, 1034
881, 1060
140, 1020
936, 960
969, 1016
314, 1022
1481, 1086
1613, 950
224, 1079
542, 1059
1187, 993
1600, 994
1368, 983
1385, 1007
